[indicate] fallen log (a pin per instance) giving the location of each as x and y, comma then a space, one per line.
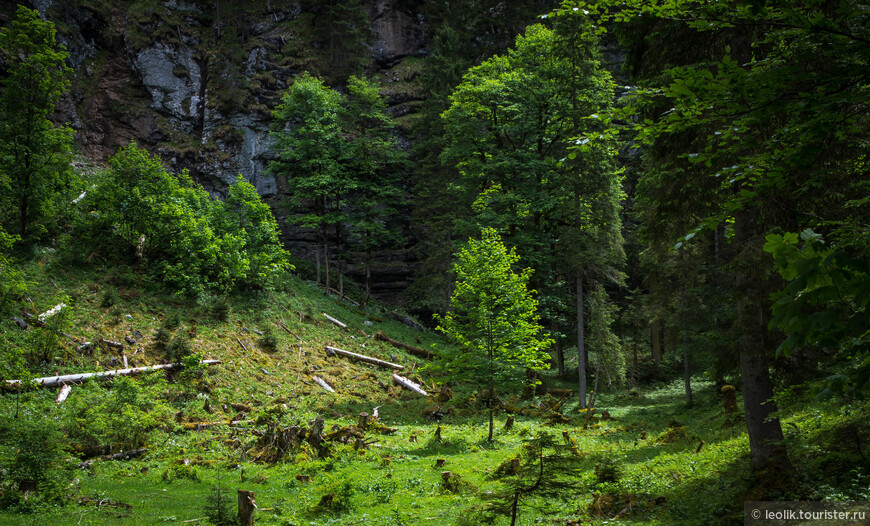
63, 394
242, 345
51, 312
407, 320
111, 343
416, 351
288, 331
56, 381
408, 384
322, 383
126, 455
368, 359
333, 320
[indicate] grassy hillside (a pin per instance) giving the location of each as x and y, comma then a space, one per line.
650, 460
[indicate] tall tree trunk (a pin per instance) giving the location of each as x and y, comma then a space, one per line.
765, 432
557, 349
339, 256
317, 259
687, 371
655, 330
326, 259
581, 344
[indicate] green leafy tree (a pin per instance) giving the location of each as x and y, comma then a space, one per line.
378, 163
313, 157
528, 131
34, 153
493, 320
175, 230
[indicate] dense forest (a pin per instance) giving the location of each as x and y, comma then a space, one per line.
395, 262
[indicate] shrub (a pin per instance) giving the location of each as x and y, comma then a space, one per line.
179, 348
268, 341
33, 465
99, 420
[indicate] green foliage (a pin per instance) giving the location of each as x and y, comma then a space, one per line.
177, 232
607, 471
33, 463
12, 282
34, 153
99, 420
824, 304
492, 319
336, 494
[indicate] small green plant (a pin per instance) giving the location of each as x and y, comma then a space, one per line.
110, 298
171, 322
218, 507
268, 341
607, 471
336, 495
179, 348
161, 338
221, 310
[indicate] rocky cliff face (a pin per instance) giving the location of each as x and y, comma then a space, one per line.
195, 82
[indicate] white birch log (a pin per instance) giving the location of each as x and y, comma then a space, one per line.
363, 358
408, 384
63, 394
322, 383
333, 320
55, 381
51, 312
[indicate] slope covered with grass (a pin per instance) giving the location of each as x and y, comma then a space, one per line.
211, 431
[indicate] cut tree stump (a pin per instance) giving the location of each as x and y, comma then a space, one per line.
363, 421
509, 423
416, 351
247, 506
57, 381
363, 358
408, 384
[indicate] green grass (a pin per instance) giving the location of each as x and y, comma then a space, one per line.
653, 439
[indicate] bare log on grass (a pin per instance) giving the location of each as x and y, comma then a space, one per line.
363, 358
111, 343
57, 381
408, 384
63, 394
407, 320
322, 383
333, 320
127, 455
242, 345
288, 331
416, 351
